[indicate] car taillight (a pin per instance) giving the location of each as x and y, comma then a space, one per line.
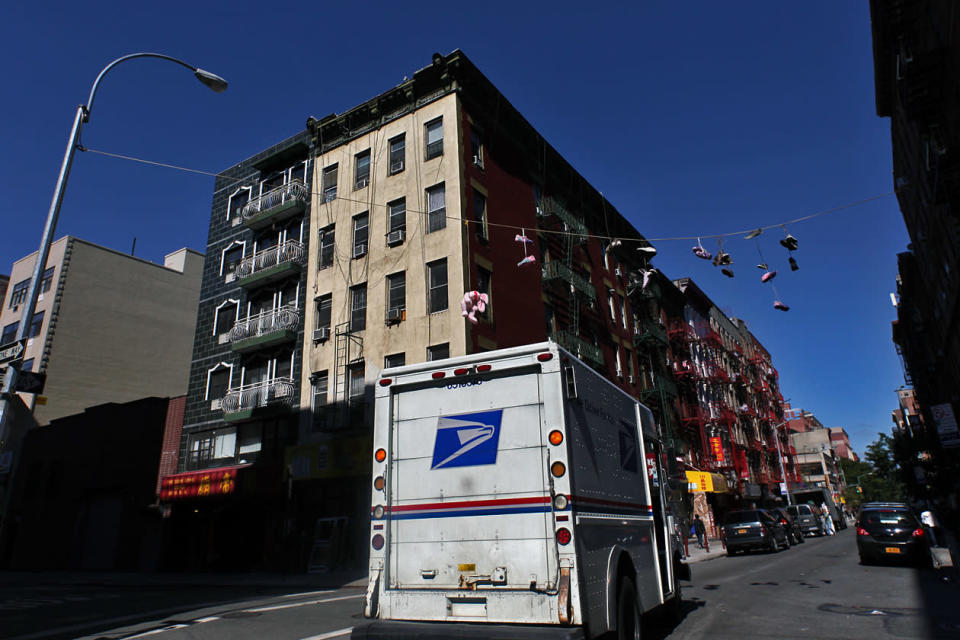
862, 532
763, 530
563, 536
784, 522
918, 533
377, 542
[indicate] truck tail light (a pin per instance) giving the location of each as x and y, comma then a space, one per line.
564, 536
378, 483
380, 455
378, 512
560, 502
558, 469
461, 372
483, 368
436, 375
377, 542
556, 437
543, 357
385, 382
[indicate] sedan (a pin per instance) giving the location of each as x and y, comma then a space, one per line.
753, 529
891, 533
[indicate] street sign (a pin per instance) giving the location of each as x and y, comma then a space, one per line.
31, 382
12, 351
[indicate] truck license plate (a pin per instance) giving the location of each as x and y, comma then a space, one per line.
892, 549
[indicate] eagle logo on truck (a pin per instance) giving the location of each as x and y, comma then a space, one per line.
467, 439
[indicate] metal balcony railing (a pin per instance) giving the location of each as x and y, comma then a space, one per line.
265, 323
294, 191
579, 347
290, 251
556, 269
259, 394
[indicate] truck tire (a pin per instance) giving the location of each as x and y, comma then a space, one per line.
675, 606
628, 613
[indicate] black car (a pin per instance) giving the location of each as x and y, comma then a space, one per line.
891, 532
788, 521
754, 529
807, 518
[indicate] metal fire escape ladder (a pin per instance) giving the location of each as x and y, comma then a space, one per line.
348, 350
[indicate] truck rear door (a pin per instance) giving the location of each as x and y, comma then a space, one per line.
469, 499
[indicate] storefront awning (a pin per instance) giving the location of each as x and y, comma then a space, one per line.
709, 482
200, 484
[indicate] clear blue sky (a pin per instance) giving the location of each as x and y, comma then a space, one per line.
693, 118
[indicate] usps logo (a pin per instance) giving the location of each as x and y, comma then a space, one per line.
467, 440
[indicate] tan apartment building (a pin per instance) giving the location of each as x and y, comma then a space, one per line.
108, 327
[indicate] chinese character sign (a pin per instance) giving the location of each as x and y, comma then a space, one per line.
198, 484
716, 448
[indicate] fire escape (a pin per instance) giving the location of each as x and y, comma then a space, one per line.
560, 272
348, 353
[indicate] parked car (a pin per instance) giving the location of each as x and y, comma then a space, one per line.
791, 524
808, 517
891, 532
754, 529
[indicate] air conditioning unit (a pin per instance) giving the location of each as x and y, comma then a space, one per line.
359, 250
216, 404
396, 237
361, 183
321, 335
617, 271
630, 379
396, 167
478, 161
230, 277
394, 315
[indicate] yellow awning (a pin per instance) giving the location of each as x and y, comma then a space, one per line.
709, 482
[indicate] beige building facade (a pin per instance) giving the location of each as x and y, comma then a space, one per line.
108, 327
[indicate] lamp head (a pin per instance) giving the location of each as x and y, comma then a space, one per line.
212, 80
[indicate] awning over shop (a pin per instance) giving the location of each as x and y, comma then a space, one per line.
199, 484
709, 482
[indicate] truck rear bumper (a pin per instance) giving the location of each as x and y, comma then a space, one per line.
398, 630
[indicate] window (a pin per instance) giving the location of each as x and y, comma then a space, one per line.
9, 333
397, 212
320, 383
230, 259
361, 175
613, 311
360, 224
329, 183
357, 383
476, 147
237, 201
630, 370
434, 138
326, 247
27, 365
324, 304
358, 307
225, 317
396, 294
623, 312
484, 285
36, 324
394, 360
436, 208
398, 150
438, 352
249, 442
219, 445
480, 214
437, 281
218, 382
47, 280
19, 293
619, 367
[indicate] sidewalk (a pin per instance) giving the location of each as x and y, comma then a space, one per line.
717, 550
299, 581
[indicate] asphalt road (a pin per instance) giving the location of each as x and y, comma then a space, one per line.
816, 590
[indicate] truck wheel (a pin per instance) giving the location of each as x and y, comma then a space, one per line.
675, 606
628, 613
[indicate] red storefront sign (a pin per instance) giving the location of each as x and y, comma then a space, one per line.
716, 447
199, 484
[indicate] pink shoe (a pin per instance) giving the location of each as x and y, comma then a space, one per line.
779, 305
769, 275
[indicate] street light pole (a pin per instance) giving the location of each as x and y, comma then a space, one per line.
783, 473
82, 116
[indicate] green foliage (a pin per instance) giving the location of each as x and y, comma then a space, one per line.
878, 478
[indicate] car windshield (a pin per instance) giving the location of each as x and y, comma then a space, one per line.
889, 518
736, 517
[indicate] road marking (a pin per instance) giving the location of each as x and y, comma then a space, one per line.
307, 593
155, 631
207, 619
301, 604
331, 634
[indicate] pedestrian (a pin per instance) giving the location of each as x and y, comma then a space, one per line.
930, 522
828, 527
678, 534
699, 530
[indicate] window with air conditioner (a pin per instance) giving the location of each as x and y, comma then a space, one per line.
396, 222
229, 261
360, 228
361, 177
433, 133
329, 183
358, 307
436, 208
326, 248
224, 318
396, 296
237, 201
19, 293
321, 329
476, 147
437, 286
398, 150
